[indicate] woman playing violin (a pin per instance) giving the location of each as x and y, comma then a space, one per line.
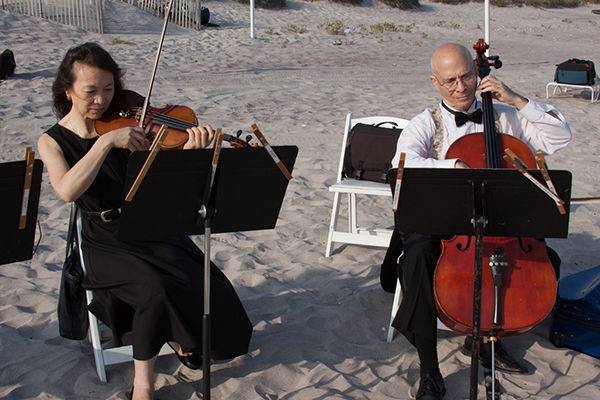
152, 290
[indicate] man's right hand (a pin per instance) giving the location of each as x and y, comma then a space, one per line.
460, 164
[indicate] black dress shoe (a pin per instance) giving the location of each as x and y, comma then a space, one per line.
193, 361
503, 361
431, 387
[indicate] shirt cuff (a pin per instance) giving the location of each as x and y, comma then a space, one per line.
446, 163
533, 111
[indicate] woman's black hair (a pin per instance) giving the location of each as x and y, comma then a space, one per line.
89, 54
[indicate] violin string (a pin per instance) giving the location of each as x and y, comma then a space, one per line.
175, 121
172, 122
167, 120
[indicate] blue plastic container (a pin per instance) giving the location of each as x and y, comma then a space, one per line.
576, 314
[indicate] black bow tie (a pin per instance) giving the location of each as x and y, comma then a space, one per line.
461, 118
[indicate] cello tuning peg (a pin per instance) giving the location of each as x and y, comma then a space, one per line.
238, 133
495, 61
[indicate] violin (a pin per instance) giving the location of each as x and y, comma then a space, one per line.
518, 283
126, 110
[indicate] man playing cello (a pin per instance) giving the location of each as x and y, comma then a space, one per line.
425, 141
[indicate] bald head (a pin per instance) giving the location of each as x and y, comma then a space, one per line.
449, 55
453, 75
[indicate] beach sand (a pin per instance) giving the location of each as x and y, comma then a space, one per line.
319, 323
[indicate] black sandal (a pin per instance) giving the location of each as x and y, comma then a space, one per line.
193, 361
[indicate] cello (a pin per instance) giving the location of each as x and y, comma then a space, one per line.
513, 285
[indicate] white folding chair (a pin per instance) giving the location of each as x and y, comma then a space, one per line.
109, 356
369, 236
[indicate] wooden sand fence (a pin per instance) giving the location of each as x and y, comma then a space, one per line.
185, 13
85, 14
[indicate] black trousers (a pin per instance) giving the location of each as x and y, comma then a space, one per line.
417, 314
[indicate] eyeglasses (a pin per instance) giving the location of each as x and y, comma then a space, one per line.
452, 83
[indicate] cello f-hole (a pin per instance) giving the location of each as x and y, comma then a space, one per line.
459, 246
526, 248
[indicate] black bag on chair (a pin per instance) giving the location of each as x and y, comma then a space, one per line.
72, 307
369, 152
575, 72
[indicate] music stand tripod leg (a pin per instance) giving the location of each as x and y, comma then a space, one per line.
206, 317
479, 223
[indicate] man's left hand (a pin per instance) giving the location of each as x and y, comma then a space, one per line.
501, 92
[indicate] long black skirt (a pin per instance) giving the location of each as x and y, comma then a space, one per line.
153, 292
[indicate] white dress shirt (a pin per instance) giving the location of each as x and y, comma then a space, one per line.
532, 124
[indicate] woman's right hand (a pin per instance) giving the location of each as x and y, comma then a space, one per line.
129, 137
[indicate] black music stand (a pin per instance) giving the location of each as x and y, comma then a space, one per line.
478, 202
17, 244
174, 198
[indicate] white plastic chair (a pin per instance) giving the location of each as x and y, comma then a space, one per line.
564, 87
109, 356
369, 236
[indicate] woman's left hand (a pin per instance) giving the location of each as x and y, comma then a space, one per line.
200, 137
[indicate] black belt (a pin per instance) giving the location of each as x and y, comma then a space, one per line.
106, 215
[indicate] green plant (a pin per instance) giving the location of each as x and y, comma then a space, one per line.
402, 4
406, 28
335, 27
118, 40
296, 29
384, 27
445, 24
270, 31
531, 3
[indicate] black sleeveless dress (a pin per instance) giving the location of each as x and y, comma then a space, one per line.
152, 291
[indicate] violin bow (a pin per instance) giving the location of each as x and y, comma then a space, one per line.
399, 175
512, 158
541, 163
160, 136
259, 135
154, 148
215, 159
543, 167
29, 159
158, 51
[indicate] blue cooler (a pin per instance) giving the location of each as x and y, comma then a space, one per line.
577, 313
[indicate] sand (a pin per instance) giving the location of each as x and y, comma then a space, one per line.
319, 323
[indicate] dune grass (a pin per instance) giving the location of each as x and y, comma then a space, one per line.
531, 3
266, 3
